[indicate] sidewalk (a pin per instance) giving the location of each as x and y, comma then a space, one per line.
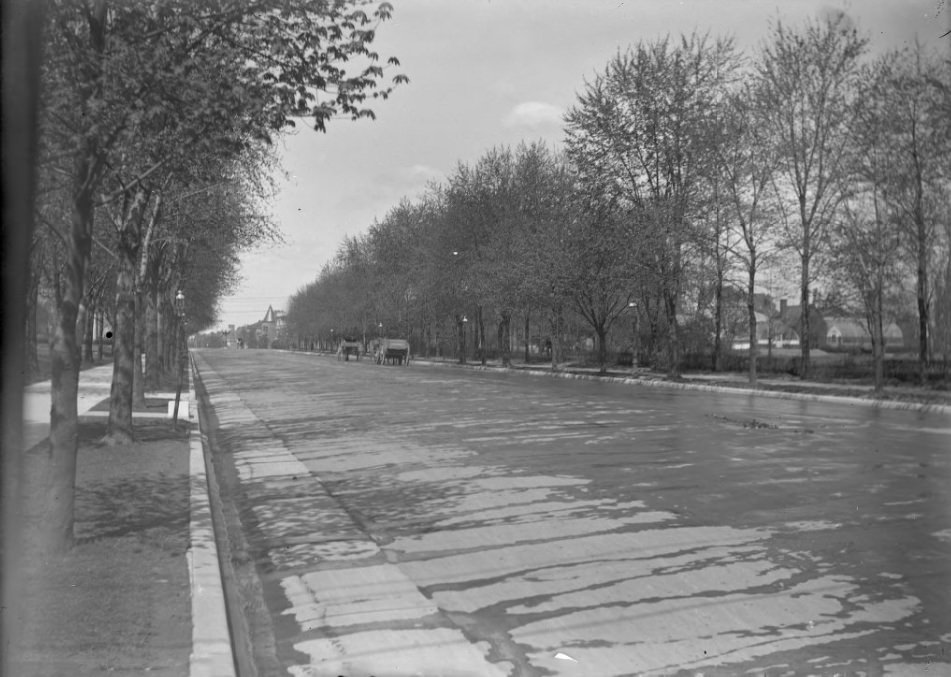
94, 385
210, 644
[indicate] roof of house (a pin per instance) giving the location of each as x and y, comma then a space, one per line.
846, 327
272, 315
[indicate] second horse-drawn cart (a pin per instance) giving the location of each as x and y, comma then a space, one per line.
349, 347
393, 351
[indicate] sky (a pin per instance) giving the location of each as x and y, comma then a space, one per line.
487, 73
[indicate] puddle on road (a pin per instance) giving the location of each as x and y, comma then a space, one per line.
604, 582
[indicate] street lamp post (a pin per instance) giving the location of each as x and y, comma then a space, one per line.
379, 343
182, 355
462, 339
461, 319
635, 347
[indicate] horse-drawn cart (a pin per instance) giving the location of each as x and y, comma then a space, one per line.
394, 351
347, 348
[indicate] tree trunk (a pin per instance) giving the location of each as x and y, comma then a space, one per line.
31, 348
528, 328
505, 338
878, 346
152, 359
166, 337
922, 294
481, 330
498, 339
138, 373
461, 338
119, 430
718, 322
602, 333
52, 522
53, 532
23, 23
557, 324
88, 320
100, 328
751, 309
804, 323
673, 337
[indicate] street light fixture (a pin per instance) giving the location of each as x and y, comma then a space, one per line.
180, 304
461, 319
183, 353
635, 347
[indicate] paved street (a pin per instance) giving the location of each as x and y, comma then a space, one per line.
432, 520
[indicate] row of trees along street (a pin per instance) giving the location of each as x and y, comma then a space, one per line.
155, 147
690, 170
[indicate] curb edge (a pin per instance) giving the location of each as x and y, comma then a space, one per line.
211, 654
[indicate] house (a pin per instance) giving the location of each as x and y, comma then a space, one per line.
789, 325
851, 333
272, 326
777, 328
827, 329
741, 331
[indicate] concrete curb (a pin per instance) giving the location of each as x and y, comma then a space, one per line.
727, 390
658, 383
211, 654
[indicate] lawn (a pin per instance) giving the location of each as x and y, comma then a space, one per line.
119, 601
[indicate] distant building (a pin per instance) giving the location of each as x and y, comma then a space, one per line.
272, 327
741, 331
827, 330
845, 332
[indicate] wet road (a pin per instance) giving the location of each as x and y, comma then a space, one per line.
437, 521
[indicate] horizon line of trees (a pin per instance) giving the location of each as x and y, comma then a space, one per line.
689, 169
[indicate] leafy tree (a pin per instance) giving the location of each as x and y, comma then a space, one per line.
536, 268
640, 137
604, 279
548, 261
218, 76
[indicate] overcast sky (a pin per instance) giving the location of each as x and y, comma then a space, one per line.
485, 73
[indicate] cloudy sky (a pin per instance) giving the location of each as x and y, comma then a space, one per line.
485, 73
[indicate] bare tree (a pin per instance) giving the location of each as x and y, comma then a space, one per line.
807, 83
746, 164
916, 98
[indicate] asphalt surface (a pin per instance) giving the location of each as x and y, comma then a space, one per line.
442, 521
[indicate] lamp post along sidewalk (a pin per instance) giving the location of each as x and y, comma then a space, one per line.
635, 338
182, 353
